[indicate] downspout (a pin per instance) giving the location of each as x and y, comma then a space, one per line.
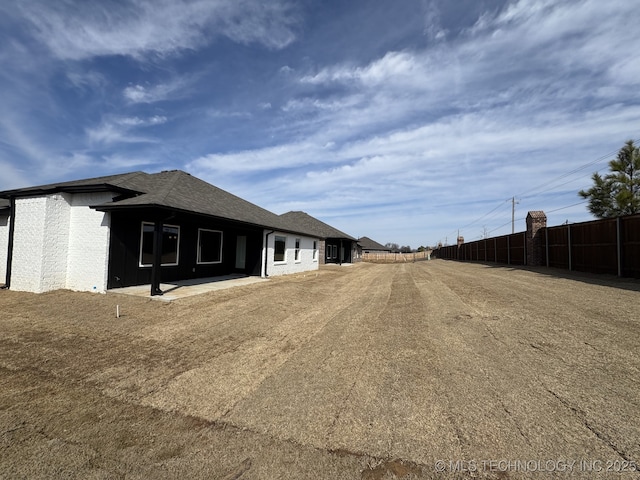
12, 219
266, 251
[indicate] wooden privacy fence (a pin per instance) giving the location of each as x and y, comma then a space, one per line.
508, 249
603, 246
609, 246
384, 257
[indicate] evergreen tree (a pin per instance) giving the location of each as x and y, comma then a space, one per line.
617, 193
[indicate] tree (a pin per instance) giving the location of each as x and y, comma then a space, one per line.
617, 193
394, 247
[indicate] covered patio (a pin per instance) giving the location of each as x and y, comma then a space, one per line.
187, 288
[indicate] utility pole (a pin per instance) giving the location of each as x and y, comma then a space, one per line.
513, 214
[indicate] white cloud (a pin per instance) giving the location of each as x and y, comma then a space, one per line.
172, 90
137, 27
126, 162
114, 129
433, 29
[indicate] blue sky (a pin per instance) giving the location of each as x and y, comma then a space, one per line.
400, 121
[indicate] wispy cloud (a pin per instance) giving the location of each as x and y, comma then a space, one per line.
418, 120
407, 126
172, 90
163, 27
121, 129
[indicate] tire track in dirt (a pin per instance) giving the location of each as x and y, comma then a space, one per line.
212, 388
536, 353
320, 375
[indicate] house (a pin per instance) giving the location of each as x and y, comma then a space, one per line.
335, 246
371, 246
139, 228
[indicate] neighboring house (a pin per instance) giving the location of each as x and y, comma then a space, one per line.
139, 228
335, 246
371, 246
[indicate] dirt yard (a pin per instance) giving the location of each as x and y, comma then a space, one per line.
424, 370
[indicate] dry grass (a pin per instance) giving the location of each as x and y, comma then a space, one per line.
370, 371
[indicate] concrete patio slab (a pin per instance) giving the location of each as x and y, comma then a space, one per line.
188, 288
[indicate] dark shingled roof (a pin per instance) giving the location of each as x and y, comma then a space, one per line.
314, 226
367, 244
173, 189
133, 182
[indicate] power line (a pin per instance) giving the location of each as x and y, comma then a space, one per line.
567, 174
568, 206
547, 186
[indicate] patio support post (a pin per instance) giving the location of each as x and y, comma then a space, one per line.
12, 229
157, 259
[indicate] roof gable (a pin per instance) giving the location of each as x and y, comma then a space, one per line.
172, 189
179, 190
368, 244
313, 225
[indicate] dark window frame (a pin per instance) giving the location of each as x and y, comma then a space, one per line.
146, 251
280, 254
199, 260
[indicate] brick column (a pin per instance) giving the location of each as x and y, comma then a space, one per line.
536, 220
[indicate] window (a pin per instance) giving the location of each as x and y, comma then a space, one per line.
297, 251
209, 246
315, 251
280, 244
170, 245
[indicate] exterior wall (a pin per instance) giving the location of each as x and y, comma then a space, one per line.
125, 238
28, 269
304, 264
4, 246
55, 242
59, 242
88, 252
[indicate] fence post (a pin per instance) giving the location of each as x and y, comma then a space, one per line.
569, 246
619, 244
525, 249
508, 250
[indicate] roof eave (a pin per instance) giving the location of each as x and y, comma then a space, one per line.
31, 192
106, 207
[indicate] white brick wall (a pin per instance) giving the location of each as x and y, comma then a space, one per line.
306, 261
4, 245
88, 254
26, 267
59, 242
55, 243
